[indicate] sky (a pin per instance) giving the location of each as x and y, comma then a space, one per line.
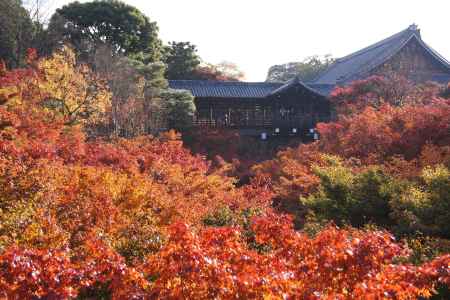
256, 34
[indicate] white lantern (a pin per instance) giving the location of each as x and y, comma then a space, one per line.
294, 130
311, 130
263, 136
277, 130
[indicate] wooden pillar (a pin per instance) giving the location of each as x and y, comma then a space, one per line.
264, 116
246, 116
211, 115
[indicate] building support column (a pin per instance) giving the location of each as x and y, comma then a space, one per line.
211, 120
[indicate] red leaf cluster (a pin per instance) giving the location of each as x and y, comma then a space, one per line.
374, 135
124, 217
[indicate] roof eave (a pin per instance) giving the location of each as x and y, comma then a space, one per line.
293, 82
435, 54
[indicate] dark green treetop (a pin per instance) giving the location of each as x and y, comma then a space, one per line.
16, 31
181, 59
112, 22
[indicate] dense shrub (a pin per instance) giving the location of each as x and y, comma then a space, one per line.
377, 90
370, 196
58, 187
425, 206
375, 135
143, 218
219, 263
354, 198
388, 136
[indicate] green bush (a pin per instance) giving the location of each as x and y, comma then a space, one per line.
226, 216
425, 248
347, 197
373, 197
425, 206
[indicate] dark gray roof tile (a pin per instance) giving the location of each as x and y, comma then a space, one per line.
358, 64
225, 89
351, 67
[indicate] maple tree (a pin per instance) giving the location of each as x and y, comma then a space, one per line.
221, 263
380, 150
374, 135
145, 218
376, 90
58, 186
73, 90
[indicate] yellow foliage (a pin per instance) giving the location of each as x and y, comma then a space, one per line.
73, 90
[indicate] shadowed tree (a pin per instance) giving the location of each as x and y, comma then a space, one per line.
16, 31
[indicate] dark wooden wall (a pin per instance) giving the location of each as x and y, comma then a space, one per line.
284, 111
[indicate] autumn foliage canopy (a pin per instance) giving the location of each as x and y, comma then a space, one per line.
144, 218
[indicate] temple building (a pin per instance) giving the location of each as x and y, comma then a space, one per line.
404, 53
294, 107
257, 107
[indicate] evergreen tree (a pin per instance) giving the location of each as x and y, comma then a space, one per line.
306, 70
124, 27
16, 30
180, 109
181, 59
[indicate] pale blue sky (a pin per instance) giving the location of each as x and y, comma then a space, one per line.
256, 34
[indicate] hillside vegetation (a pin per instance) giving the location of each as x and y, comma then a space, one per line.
98, 216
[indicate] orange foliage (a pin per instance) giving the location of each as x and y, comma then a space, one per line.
125, 217
372, 129
375, 135
58, 187
291, 171
221, 263
376, 90
336, 264
224, 263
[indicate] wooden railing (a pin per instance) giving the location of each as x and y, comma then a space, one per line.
296, 122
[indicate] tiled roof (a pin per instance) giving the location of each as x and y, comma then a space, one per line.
352, 66
237, 89
225, 89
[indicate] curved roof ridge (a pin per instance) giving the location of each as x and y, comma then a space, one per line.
373, 46
358, 55
398, 48
412, 29
294, 81
353, 65
370, 66
436, 54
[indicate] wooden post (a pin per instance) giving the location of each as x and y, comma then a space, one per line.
264, 116
211, 116
246, 116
